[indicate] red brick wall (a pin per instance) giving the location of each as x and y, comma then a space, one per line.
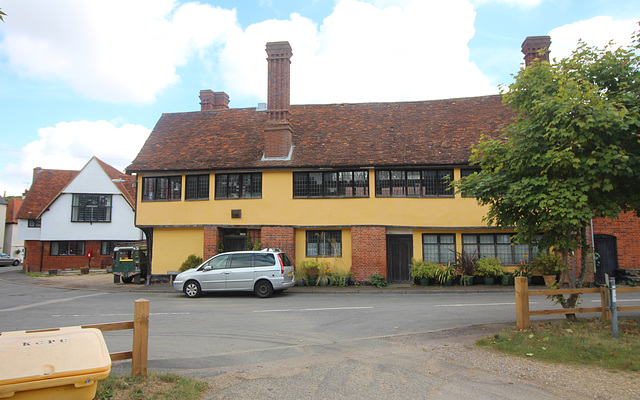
626, 229
282, 238
369, 252
211, 239
38, 258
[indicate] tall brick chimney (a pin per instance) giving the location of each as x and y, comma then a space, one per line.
210, 100
531, 48
278, 132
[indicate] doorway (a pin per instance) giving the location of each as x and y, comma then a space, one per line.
606, 248
399, 254
234, 240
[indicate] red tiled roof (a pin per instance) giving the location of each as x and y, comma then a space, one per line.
12, 210
46, 186
124, 183
335, 135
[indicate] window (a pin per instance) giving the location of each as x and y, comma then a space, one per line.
34, 223
497, 245
241, 260
263, 260
197, 187
331, 184
239, 186
324, 244
467, 172
162, 188
414, 183
67, 249
439, 248
106, 247
91, 208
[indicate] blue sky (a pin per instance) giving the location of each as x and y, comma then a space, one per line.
82, 78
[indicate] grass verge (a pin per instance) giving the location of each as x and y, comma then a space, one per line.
583, 342
151, 386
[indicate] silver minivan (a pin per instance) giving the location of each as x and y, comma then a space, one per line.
263, 272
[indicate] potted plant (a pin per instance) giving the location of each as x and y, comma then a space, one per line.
311, 269
444, 274
489, 268
465, 265
523, 269
423, 271
549, 265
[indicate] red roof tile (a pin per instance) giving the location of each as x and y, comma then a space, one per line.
12, 210
46, 186
335, 135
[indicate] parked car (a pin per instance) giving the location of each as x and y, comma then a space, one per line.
5, 259
263, 272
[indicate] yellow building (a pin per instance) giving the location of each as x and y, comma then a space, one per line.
362, 186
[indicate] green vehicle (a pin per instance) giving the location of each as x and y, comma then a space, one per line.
129, 264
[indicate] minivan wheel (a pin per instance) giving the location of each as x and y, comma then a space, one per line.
16, 262
263, 289
192, 289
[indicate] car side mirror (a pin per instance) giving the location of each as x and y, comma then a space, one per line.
207, 268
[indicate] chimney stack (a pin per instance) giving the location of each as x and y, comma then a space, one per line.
210, 100
278, 133
531, 49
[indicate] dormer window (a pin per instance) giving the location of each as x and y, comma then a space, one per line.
91, 208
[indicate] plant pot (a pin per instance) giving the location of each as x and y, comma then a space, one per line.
448, 282
324, 281
549, 279
424, 281
301, 282
311, 281
489, 280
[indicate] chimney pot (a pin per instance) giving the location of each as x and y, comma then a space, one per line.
210, 100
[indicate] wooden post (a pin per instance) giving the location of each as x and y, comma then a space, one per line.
522, 302
140, 337
606, 314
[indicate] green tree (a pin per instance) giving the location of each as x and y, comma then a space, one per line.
571, 154
1, 14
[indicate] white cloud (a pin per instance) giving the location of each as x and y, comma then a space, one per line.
519, 3
70, 145
363, 53
113, 50
597, 31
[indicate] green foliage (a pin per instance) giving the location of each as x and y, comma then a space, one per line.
191, 262
1, 14
444, 273
547, 263
572, 153
422, 269
489, 266
378, 280
150, 386
465, 262
310, 268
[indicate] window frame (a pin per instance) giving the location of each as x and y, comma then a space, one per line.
34, 223
440, 248
200, 192
154, 192
237, 186
76, 244
78, 208
331, 184
516, 251
405, 183
325, 243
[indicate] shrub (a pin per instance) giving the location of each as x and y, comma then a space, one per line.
489, 266
547, 263
465, 262
191, 262
378, 280
310, 268
422, 269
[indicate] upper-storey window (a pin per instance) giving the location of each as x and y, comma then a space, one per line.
34, 223
414, 183
161, 188
464, 172
197, 187
91, 208
239, 186
331, 184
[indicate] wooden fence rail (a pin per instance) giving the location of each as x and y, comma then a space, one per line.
140, 326
523, 293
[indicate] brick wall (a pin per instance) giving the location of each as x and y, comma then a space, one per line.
282, 238
626, 229
369, 247
211, 239
38, 258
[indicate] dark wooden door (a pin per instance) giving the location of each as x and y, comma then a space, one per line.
234, 239
606, 257
399, 254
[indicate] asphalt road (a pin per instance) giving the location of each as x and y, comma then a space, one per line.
294, 345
